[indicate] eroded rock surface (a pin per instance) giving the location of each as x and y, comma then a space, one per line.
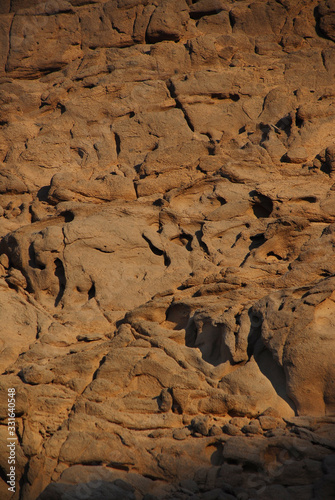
167, 222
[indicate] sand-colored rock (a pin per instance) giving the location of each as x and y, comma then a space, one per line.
167, 215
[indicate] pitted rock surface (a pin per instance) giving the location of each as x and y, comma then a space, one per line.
167, 222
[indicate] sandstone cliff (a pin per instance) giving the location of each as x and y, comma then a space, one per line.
167, 273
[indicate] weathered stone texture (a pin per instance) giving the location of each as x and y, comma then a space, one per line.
167, 210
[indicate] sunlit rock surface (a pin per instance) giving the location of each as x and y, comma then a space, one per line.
167, 224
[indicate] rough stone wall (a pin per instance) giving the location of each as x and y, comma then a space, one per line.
167, 225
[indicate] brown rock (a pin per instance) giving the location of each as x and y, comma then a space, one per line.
268, 423
167, 220
215, 430
180, 434
200, 425
253, 427
167, 21
297, 154
326, 18
166, 400
231, 430
40, 51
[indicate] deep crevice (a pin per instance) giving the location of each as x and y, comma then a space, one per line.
101, 362
298, 120
60, 274
232, 20
157, 251
256, 321
117, 143
153, 478
188, 239
196, 15
273, 254
221, 96
257, 240
61, 107
309, 199
187, 118
91, 292
117, 466
198, 235
152, 247
179, 105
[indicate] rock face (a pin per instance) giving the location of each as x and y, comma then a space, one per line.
167, 276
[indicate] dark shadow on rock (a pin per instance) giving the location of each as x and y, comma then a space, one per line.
96, 489
210, 340
60, 274
273, 372
102, 483
263, 357
42, 194
238, 467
